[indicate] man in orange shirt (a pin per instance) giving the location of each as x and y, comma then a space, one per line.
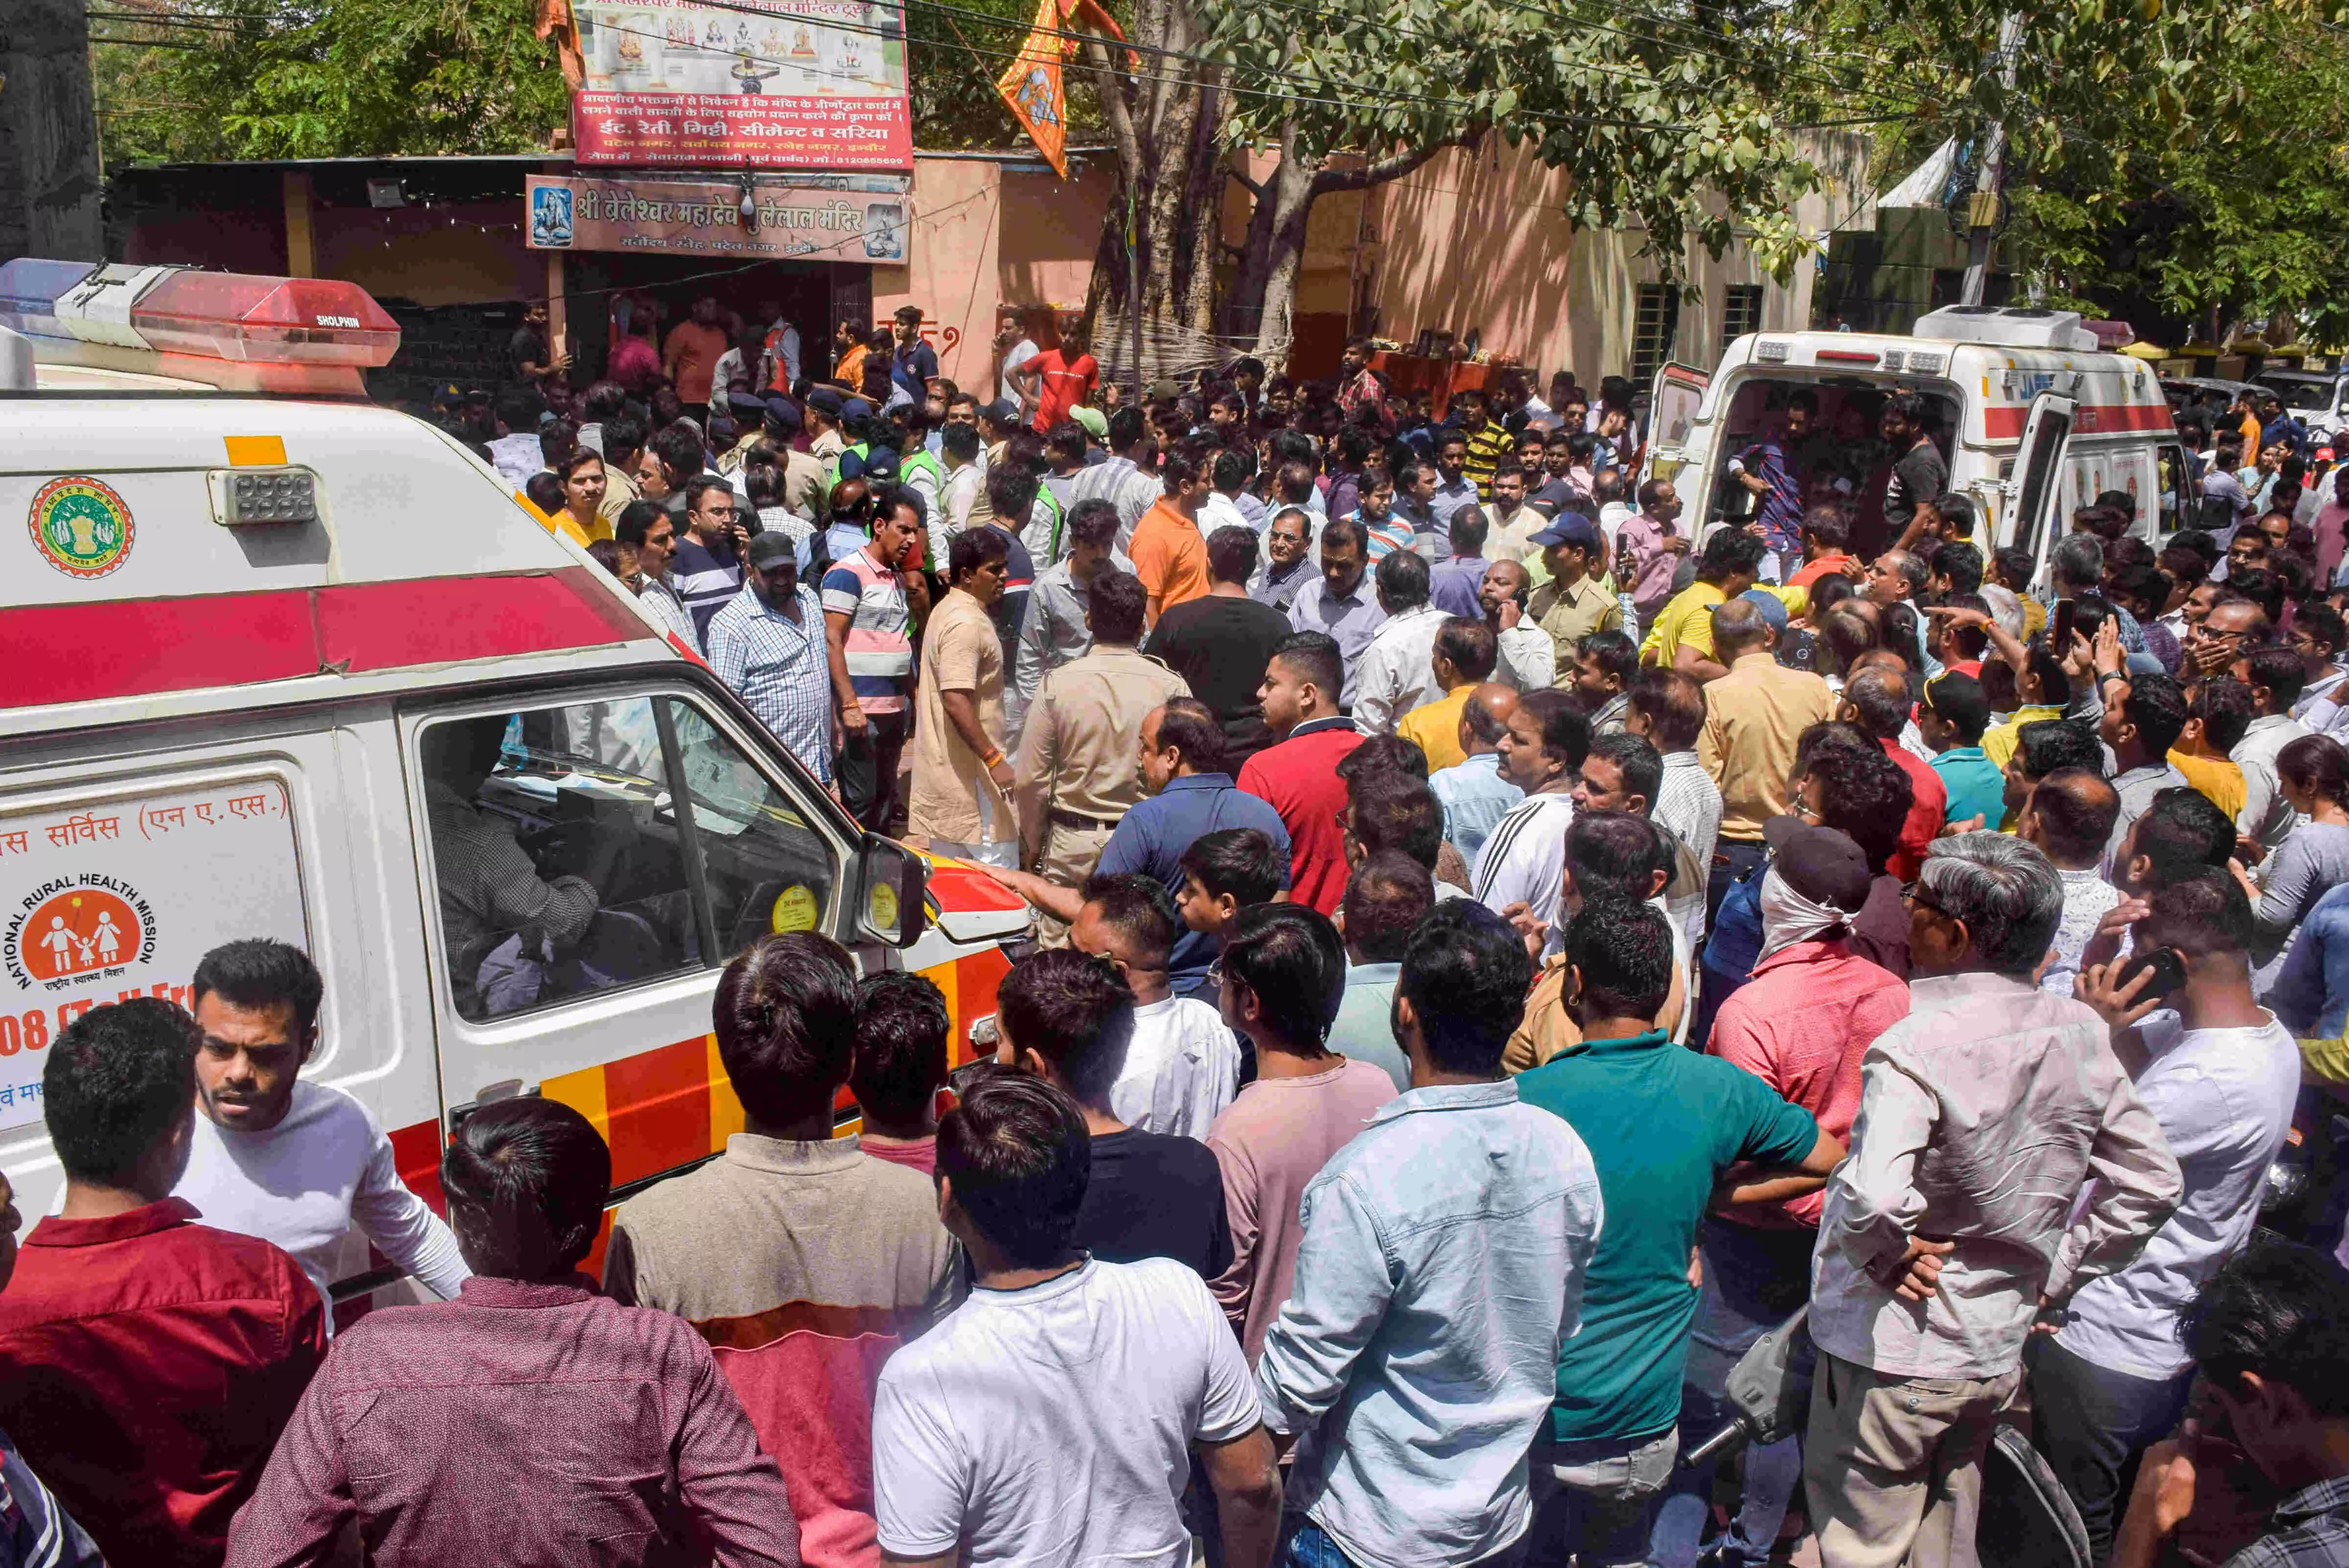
1825, 533
691, 357
1169, 555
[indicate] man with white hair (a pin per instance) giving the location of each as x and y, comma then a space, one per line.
1983, 1115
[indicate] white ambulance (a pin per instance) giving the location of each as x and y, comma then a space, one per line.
2034, 422
291, 665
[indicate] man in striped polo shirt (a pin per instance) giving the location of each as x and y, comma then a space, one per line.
868, 621
707, 567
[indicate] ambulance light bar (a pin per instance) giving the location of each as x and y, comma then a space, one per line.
231, 330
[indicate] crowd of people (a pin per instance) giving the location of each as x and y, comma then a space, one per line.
1504, 957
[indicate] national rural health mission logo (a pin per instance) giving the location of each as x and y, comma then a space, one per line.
68, 930
80, 526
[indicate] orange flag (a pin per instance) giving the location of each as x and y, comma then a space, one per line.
1031, 86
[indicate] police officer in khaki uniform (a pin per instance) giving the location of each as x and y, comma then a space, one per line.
1572, 605
1076, 775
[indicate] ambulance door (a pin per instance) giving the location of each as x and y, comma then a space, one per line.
2034, 493
121, 867
591, 860
1674, 438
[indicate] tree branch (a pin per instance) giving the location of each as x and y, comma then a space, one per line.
1121, 129
1253, 187
1392, 167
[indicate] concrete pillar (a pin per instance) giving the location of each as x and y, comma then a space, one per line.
48, 133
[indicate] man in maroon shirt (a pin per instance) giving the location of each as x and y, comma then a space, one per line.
147, 1362
1876, 698
1299, 777
531, 1420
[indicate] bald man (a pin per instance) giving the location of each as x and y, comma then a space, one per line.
1875, 698
1474, 795
2070, 816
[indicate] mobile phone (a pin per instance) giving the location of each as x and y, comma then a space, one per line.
2060, 624
2168, 974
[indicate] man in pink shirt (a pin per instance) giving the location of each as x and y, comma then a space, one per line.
1283, 971
532, 1419
1801, 1025
1649, 550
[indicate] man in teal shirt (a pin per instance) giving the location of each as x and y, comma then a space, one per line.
1663, 1125
1953, 718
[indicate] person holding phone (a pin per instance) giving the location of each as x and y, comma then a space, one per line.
2110, 1373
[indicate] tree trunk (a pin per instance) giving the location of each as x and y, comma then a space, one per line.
1263, 297
1165, 128
1266, 297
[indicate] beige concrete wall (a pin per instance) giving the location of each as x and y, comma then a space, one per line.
957, 224
1478, 240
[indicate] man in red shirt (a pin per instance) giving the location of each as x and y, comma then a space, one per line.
1299, 777
147, 1362
1875, 698
531, 1420
1069, 376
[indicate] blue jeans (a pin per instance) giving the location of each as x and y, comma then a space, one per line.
1754, 1281
1310, 1547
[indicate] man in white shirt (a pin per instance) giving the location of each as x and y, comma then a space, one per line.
1983, 1115
1014, 377
2275, 676
1052, 1417
2221, 1076
963, 456
1182, 1066
1221, 509
1514, 523
1522, 867
294, 1163
1396, 672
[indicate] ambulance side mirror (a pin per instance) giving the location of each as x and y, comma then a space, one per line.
893, 903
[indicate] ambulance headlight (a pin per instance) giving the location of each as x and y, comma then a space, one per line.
251, 497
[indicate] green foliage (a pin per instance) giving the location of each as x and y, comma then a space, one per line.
311, 78
1663, 118
2187, 156
265, 78
2234, 208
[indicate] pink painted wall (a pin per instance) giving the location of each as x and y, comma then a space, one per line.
1474, 239
1052, 229
957, 225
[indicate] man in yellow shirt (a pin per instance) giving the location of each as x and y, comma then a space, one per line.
2217, 716
1682, 637
1465, 652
